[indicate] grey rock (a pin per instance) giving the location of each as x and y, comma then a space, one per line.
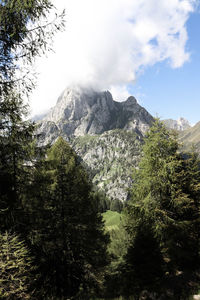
180, 124
110, 158
106, 134
80, 111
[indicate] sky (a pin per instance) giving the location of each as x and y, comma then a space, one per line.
146, 48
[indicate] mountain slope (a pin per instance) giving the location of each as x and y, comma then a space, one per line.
110, 159
191, 137
107, 135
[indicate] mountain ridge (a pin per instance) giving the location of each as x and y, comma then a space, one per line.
107, 135
85, 111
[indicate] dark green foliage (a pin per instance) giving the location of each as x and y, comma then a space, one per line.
24, 33
23, 36
144, 268
116, 205
70, 236
16, 269
52, 204
102, 201
49, 201
16, 154
165, 204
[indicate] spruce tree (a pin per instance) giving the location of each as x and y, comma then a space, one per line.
16, 156
71, 239
24, 34
165, 198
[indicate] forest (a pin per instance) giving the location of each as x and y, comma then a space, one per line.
55, 242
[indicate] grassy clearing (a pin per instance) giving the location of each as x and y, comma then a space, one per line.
112, 220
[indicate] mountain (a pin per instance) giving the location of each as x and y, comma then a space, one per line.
106, 134
180, 124
191, 137
81, 111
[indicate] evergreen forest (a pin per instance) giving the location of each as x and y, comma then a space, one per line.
57, 240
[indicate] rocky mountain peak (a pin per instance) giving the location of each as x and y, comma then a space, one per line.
81, 111
106, 134
130, 101
75, 103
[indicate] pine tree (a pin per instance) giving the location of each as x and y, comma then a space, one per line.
24, 34
71, 237
165, 198
16, 155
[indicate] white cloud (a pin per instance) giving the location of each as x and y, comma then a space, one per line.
107, 42
119, 92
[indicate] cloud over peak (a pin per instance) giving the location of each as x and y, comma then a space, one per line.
107, 43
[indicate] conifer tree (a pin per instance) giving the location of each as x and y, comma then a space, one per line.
16, 155
165, 197
71, 237
24, 34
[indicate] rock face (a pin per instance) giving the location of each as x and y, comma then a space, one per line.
81, 111
110, 158
180, 124
106, 134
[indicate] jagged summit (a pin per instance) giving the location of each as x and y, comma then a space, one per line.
75, 103
81, 111
106, 134
130, 101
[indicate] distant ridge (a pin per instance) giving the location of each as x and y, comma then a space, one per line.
180, 124
191, 137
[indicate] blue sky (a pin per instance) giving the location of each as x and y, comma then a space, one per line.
147, 48
174, 93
